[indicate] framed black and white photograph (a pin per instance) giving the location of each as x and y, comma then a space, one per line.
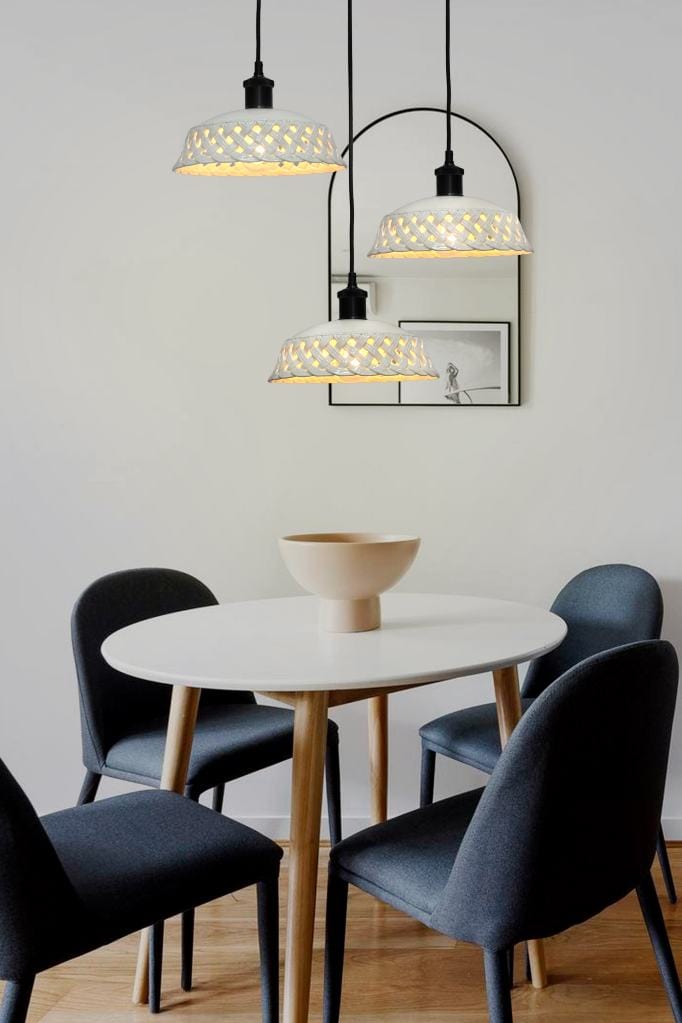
474, 363
472, 360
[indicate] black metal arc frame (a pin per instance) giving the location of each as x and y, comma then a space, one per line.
358, 135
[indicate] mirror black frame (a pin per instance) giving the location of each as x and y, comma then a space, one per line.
330, 316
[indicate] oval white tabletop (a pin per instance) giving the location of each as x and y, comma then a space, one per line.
276, 644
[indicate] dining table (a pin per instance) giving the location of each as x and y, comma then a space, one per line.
276, 648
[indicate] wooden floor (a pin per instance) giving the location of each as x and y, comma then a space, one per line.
396, 971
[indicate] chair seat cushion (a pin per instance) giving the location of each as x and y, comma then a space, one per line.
139, 858
471, 736
406, 861
230, 741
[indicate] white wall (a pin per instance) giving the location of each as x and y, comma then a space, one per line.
141, 313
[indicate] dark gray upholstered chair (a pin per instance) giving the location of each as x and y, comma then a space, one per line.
566, 827
124, 720
604, 607
79, 879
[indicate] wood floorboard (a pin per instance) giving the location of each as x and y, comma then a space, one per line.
396, 971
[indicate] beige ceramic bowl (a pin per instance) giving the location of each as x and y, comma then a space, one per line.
348, 571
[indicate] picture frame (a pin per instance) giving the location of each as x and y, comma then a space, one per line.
473, 359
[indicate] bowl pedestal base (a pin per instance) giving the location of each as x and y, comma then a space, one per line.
350, 615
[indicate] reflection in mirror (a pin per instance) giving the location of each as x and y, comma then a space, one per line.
468, 310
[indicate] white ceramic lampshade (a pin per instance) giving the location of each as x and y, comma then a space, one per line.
353, 351
259, 141
447, 226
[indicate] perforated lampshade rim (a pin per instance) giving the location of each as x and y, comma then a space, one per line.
353, 351
450, 226
259, 140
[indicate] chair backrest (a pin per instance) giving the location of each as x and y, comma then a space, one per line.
113, 704
604, 607
39, 909
569, 820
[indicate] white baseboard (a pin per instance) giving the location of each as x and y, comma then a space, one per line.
672, 828
277, 828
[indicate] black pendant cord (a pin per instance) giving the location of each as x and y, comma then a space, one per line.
448, 81
258, 88
351, 179
449, 176
258, 57
352, 299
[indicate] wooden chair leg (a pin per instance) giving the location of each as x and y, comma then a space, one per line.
333, 786
497, 987
663, 859
187, 966
16, 1001
89, 788
155, 966
268, 941
655, 924
218, 798
337, 908
428, 776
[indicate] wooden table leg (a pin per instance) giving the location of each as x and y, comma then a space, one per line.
181, 722
377, 709
310, 743
508, 699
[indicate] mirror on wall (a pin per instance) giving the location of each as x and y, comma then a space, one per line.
467, 310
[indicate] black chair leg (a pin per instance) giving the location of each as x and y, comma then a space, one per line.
333, 785
337, 908
428, 776
218, 798
268, 941
510, 967
529, 972
187, 929
187, 950
662, 850
653, 917
155, 966
497, 987
15, 1003
89, 788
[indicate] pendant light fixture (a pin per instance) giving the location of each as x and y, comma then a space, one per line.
352, 349
449, 223
259, 140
